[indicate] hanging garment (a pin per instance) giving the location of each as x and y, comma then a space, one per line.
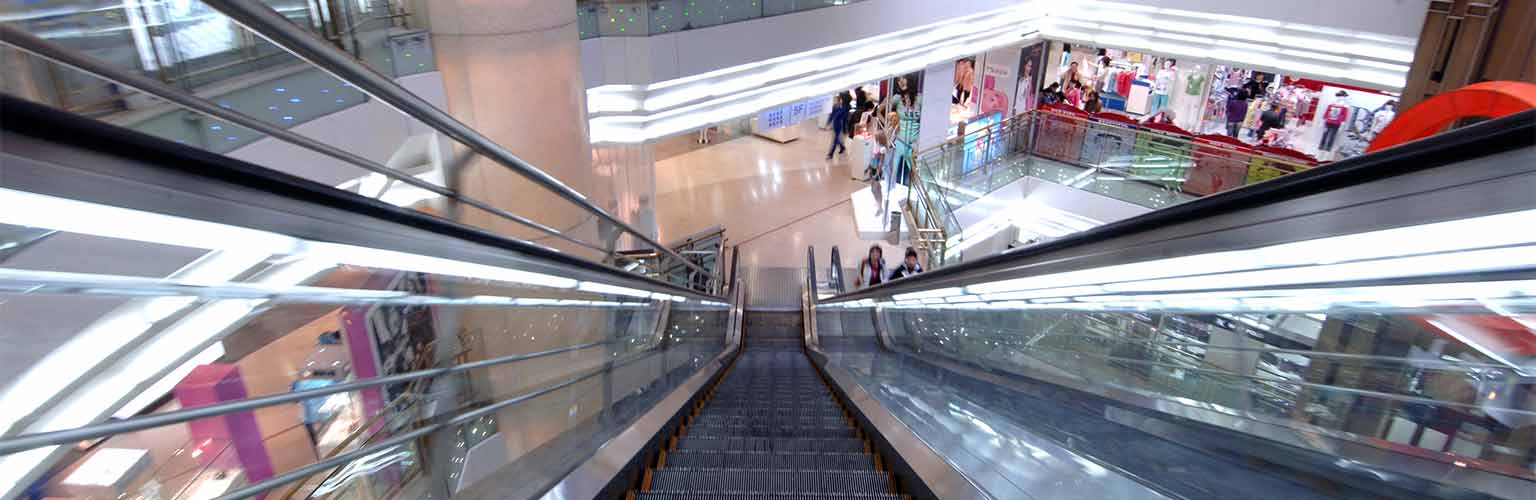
1123, 83
1194, 83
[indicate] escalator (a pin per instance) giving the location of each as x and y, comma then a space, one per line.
769, 429
1362, 330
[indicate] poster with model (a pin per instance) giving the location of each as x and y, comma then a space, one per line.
1030, 68
999, 74
962, 99
402, 335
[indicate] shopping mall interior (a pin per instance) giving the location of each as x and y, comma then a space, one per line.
732, 249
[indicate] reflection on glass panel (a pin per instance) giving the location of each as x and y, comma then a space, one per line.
1383, 376
189, 313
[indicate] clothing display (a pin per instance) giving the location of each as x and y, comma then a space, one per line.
1193, 83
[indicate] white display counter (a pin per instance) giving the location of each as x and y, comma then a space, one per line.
868, 214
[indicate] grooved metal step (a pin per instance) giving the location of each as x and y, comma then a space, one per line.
764, 460
771, 430
769, 480
715, 495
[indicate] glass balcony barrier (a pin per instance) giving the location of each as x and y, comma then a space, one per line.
1359, 330
236, 333
1138, 164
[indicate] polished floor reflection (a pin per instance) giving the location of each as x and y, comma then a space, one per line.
773, 199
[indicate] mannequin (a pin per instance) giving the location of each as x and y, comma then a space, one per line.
1382, 117
1162, 85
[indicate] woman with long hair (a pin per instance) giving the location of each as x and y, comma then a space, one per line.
871, 269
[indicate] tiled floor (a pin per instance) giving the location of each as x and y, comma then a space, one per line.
773, 199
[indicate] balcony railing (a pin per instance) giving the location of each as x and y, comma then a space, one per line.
1147, 165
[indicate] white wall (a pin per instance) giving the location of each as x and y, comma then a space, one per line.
1390, 17
372, 130
938, 84
641, 60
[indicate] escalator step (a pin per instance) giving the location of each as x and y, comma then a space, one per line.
765, 460
771, 444
768, 480
772, 431
714, 495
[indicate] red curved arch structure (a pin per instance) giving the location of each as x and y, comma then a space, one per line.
1479, 100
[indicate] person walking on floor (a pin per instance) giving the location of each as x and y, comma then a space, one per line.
871, 269
1237, 109
839, 121
908, 267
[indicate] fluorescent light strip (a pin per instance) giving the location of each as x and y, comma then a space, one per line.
594, 287
121, 223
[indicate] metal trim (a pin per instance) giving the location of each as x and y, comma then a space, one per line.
1349, 447
936, 474
590, 478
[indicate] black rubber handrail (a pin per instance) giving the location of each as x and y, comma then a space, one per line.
1479, 140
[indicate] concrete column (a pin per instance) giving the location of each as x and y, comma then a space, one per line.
512, 70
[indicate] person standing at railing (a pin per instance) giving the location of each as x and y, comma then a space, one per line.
908, 267
1075, 94
872, 268
838, 121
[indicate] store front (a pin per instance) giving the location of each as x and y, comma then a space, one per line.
1322, 120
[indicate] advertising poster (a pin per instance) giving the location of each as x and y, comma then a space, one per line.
1108, 141
1221, 163
1030, 70
1059, 135
998, 76
1275, 162
962, 95
402, 335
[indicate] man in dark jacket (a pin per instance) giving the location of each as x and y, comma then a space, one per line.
1237, 109
908, 265
839, 122
1274, 117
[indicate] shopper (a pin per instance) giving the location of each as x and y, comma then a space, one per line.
839, 122
1075, 94
1052, 94
872, 269
1093, 105
861, 106
1237, 109
1272, 118
908, 267
1069, 76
